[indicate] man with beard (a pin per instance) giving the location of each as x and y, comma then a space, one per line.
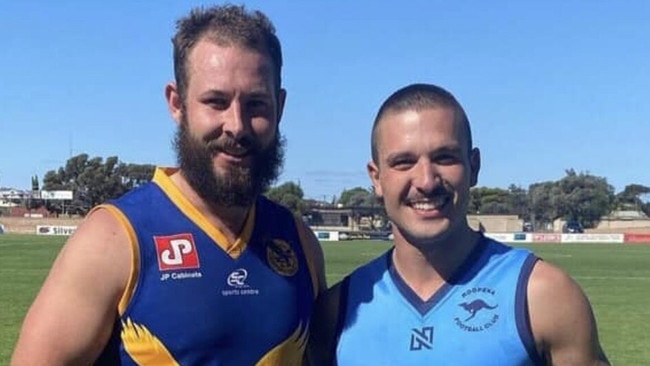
195, 267
445, 294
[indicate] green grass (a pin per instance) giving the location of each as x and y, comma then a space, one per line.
615, 277
24, 262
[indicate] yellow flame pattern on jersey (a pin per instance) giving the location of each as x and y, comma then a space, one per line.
143, 347
288, 353
146, 349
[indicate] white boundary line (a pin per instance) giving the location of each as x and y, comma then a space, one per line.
624, 278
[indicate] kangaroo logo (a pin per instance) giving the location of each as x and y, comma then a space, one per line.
475, 306
480, 303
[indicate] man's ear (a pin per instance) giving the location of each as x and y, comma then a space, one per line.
174, 102
282, 98
475, 165
373, 173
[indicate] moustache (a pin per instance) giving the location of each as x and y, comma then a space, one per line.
232, 146
441, 189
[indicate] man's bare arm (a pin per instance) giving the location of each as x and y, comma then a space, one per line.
562, 320
72, 317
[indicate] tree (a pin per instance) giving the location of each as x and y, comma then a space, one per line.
517, 202
584, 198
364, 203
475, 203
290, 195
93, 181
541, 202
631, 197
489, 201
357, 197
645, 207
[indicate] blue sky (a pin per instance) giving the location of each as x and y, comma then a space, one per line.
547, 85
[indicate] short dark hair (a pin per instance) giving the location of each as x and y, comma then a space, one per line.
225, 25
418, 97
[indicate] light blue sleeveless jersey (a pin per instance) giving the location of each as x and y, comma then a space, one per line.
478, 318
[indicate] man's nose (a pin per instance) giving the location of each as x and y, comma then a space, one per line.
426, 176
235, 120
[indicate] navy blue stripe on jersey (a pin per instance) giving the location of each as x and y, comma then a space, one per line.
522, 313
423, 306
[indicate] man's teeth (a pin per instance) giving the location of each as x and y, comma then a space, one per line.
430, 205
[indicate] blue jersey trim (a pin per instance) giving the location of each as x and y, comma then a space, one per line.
424, 306
522, 316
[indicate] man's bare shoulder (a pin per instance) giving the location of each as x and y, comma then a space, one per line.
89, 276
562, 319
101, 237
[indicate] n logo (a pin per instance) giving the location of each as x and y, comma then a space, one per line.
176, 252
421, 338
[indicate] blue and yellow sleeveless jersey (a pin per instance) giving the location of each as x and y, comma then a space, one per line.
478, 318
195, 299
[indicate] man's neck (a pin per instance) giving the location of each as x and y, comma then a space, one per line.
427, 268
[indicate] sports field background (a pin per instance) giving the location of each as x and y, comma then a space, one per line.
616, 278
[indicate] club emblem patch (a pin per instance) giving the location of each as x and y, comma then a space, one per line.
477, 310
281, 257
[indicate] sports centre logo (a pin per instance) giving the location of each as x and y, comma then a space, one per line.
238, 286
237, 278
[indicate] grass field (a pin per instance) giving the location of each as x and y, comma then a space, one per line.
615, 277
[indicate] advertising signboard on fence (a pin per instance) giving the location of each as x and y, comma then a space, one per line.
637, 238
55, 230
592, 238
56, 195
546, 238
327, 235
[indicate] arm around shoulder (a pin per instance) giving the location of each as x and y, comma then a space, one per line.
562, 319
73, 315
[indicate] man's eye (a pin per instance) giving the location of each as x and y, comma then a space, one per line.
257, 104
447, 159
217, 103
401, 164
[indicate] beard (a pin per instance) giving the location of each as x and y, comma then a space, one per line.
238, 185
